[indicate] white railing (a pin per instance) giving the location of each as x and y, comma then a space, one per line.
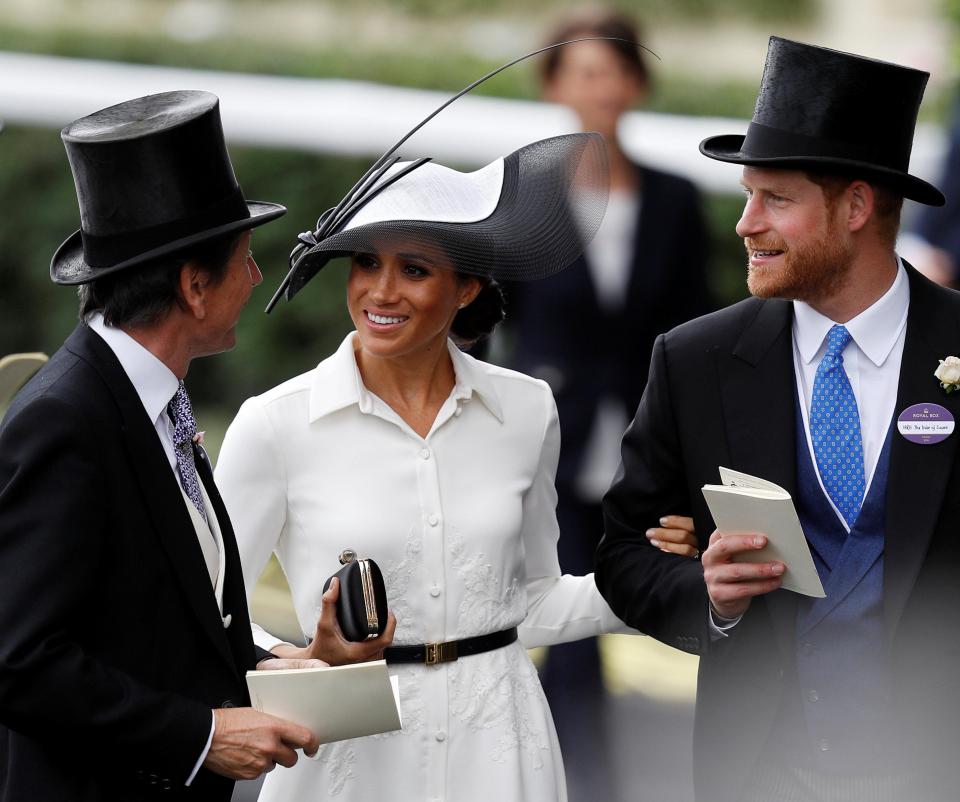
359, 118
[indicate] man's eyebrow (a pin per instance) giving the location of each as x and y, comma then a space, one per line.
773, 189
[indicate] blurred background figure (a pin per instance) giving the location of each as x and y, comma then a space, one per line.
588, 332
933, 243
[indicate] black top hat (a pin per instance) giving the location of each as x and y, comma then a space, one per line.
826, 109
153, 177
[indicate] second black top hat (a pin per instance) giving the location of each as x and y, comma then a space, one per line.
827, 109
153, 177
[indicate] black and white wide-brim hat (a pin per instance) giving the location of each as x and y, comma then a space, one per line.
524, 216
832, 111
153, 177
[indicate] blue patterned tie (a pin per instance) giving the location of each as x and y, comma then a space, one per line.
835, 429
185, 428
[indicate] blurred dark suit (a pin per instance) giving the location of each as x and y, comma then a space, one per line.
940, 225
586, 353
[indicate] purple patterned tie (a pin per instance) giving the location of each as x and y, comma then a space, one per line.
185, 429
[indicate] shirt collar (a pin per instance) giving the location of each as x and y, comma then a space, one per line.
337, 384
472, 379
154, 382
336, 381
875, 330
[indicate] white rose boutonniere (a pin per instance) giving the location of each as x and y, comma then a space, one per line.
949, 374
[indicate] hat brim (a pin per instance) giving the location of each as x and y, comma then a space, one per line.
728, 148
69, 267
552, 199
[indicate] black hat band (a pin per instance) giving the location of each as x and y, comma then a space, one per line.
766, 142
108, 250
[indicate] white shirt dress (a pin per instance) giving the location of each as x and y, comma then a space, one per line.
463, 525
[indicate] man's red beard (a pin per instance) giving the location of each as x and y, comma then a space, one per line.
807, 272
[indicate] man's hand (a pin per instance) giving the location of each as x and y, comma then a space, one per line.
675, 535
329, 644
246, 743
731, 585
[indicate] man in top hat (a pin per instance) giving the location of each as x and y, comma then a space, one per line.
855, 696
124, 636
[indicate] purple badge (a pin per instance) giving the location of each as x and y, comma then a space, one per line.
925, 423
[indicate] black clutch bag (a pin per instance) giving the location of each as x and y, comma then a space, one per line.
362, 606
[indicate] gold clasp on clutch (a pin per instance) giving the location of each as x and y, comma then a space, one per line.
441, 653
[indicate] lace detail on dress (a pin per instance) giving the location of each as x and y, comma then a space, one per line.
503, 694
400, 581
499, 690
486, 606
338, 760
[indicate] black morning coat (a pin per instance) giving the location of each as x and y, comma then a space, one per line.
722, 392
563, 335
112, 648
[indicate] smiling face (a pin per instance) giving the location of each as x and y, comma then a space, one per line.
797, 245
403, 296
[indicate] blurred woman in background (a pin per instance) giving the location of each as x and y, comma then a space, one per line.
643, 273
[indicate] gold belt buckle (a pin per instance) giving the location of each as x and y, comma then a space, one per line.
441, 653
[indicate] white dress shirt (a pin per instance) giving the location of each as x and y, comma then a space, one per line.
462, 522
152, 379
609, 257
609, 254
871, 361
155, 385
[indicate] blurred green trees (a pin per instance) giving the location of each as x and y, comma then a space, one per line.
40, 210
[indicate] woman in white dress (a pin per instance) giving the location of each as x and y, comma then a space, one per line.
438, 466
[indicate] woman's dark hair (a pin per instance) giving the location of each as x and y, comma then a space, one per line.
479, 318
599, 23
142, 295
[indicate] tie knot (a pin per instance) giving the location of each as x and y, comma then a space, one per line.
837, 339
184, 424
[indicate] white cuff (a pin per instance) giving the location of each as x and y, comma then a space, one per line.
720, 626
206, 749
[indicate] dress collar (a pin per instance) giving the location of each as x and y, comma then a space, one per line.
875, 330
337, 384
154, 382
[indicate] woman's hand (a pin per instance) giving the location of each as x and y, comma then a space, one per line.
289, 664
328, 642
675, 535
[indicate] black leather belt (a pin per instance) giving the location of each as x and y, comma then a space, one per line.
446, 652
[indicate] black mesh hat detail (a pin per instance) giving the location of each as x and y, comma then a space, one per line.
825, 109
153, 177
551, 199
